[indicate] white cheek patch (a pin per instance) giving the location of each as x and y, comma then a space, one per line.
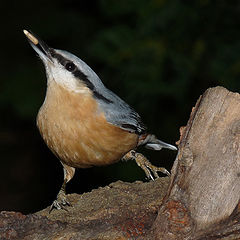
66, 79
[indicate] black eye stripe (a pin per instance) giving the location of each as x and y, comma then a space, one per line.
70, 66
66, 63
80, 75
59, 57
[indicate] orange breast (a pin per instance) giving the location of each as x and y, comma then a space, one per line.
77, 132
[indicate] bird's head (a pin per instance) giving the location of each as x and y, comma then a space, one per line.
64, 68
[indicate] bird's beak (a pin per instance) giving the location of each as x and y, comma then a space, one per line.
39, 46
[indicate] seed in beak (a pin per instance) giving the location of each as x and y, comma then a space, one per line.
30, 37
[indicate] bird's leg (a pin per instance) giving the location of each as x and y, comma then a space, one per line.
143, 163
61, 200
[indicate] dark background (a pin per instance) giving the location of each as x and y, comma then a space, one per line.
158, 55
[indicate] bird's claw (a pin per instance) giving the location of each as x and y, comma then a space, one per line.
61, 202
146, 166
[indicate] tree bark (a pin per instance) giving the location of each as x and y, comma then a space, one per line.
202, 201
118, 211
201, 198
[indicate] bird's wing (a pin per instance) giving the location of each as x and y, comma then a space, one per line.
119, 113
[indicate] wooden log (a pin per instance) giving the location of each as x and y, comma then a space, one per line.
204, 191
118, 211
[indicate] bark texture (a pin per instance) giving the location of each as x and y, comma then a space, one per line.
204, 192
118, 211
199, 201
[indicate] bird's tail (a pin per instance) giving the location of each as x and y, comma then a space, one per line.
150, 141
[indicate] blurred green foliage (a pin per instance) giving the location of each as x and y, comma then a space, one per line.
158, 55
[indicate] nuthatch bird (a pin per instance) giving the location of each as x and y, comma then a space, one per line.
85, 124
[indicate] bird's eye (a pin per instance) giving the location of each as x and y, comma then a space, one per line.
70, 66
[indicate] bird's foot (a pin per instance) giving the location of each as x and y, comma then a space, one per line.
61, 202
146, 166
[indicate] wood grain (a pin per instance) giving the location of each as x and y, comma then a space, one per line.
205, 183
